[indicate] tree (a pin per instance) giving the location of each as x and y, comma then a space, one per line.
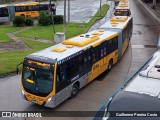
44, 19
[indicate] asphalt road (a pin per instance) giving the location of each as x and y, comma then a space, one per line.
143, 44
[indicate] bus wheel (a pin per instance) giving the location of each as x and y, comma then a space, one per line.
22, 15
74, 90
110, 65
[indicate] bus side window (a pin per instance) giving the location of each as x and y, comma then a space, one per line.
109, 47
72, 68
23, 8
101, 52
80, 61
95, 54
57, 77
103, 49
61, 75
17, 9
115, 43
85, 60
89, 59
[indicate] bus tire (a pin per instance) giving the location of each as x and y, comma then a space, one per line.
75, 90
22, 15
110, 65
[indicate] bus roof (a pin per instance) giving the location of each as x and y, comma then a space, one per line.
2, 6
123, 5
148, 80
47, 3
122, 8
118, 22
75, 45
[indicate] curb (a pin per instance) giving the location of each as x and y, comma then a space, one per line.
150, 11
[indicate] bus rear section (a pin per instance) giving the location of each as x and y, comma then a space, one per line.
123, 25
4, 14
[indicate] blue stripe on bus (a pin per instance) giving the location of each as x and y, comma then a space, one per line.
123, 85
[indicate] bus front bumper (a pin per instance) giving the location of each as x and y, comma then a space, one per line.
50, 103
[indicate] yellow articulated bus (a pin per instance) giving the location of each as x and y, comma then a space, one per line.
52, 75
30, 9
122, 9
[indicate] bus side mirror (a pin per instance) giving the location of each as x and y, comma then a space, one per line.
17, 69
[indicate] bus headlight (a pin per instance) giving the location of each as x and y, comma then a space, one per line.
49, 99
23, 96
22, 93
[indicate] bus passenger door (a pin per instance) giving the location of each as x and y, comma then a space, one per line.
62, 86
103, 53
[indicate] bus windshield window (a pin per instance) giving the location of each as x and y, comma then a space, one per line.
4, 12
37, 81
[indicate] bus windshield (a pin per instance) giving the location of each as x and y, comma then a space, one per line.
4, 12
37, 81
121, 13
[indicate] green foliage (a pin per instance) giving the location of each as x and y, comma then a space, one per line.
35, 46
29, 22
19, 21
96, 17
44, 18
46, 32
9, 60
58, 19
6, 29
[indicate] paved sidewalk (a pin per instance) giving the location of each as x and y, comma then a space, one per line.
154, 12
